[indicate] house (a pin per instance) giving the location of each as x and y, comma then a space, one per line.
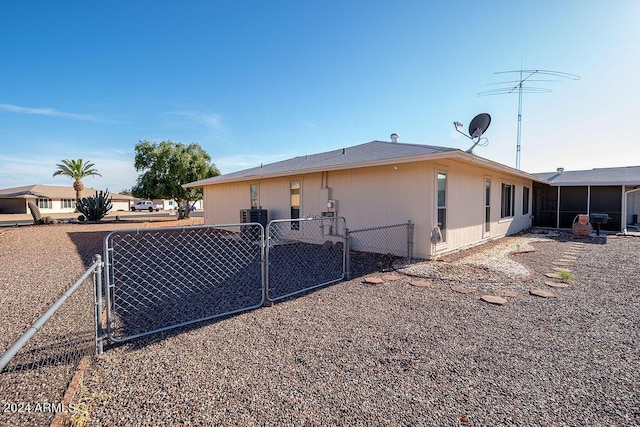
469, 198
612, 191
51, 199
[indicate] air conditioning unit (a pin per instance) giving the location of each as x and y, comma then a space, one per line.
252, 215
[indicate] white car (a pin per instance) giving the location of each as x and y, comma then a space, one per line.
145, 205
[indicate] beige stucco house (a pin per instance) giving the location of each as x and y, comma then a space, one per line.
470, 199
52, 199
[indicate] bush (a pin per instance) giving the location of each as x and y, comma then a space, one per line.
96, 207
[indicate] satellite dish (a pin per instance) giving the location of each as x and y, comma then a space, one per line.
479, 125
477, 128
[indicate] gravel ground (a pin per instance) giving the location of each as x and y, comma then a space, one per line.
37, 264
397, 354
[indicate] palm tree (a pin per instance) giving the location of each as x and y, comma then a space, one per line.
76, 169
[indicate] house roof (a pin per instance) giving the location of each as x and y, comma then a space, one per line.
52, 192
629, 175
372, 153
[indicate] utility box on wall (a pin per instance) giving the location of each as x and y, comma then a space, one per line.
332, 206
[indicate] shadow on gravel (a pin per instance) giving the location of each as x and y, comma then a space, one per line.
88, 244
570, 237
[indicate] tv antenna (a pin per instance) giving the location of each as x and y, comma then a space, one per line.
519, 87
477, 128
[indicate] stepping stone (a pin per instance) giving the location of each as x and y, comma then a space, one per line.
461, 289
561, 263
390, 277
556, 284
553, 275
420, 283
569, 257
571, 253
373, 280
492, 299
568, 261
541, 293
562, 269
507, 293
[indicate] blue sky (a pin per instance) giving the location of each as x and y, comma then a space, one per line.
258, 81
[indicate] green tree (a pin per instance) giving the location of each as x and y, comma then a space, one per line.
76, 169
166, 166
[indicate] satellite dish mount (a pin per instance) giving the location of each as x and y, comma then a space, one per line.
477, 128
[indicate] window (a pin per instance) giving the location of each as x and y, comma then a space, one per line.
442, 204
44, 203
68, 203
525, 200
487, 205
506, 200
255, 191
295, 203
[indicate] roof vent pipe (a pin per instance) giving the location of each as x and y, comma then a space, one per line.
394, 138
560, 170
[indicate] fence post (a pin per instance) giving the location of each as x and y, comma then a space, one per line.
97, 285
347, 254
410, 226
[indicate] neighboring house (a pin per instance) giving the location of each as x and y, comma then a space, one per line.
470, 199
612, 191
52, 199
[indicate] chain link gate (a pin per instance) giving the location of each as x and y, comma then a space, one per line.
159, 279
304, 254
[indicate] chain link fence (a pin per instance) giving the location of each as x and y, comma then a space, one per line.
394, 239
304, 254
159, 279
37, 369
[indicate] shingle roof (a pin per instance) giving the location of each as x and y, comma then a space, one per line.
344, 158
52, 192
629, 175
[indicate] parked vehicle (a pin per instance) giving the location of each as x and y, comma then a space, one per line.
145, 205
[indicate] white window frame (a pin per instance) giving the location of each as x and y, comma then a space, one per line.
486, 227
526, 190
44, 203
255, 205
444, 207
512, 188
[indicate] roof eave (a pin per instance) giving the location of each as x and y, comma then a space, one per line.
383, 162
408, 159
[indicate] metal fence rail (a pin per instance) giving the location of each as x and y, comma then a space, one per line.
304, 254
36, 370
396, 239
159, 279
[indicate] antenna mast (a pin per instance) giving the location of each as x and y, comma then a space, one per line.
520, 87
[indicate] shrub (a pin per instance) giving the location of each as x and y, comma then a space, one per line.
96, 207
566, 276
48, 220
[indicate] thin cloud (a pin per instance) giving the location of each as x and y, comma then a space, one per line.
46, 112
208, 120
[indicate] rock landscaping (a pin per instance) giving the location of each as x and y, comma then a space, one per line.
413, 352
